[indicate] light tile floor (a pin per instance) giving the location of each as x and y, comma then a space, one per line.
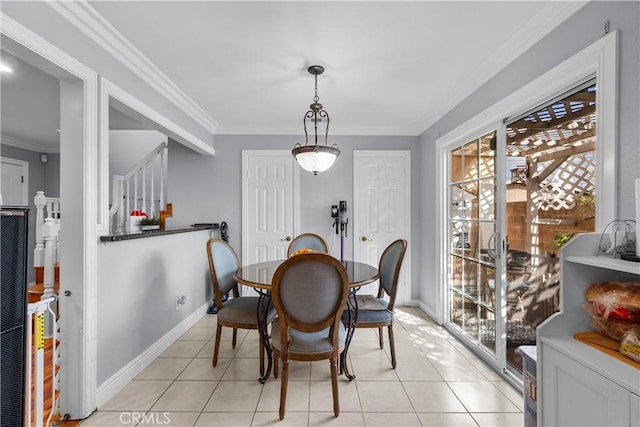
438, 382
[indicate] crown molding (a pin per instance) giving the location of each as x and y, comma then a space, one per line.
334, 131
546, 20
95, 26
29, 145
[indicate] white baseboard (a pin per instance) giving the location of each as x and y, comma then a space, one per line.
120, 379
429, 312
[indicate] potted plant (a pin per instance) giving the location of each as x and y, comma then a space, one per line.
149, 224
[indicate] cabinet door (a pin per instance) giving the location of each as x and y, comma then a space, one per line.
574, 395
635, 409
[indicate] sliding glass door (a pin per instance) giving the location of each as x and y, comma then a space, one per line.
515, 196
550, 196
472, 225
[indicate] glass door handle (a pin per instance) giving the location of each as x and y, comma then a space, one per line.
492, 249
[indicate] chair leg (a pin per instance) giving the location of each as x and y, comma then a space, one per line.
235, 337
380, 338
261, 344
283, 387
334, 386
392, 346
216, 346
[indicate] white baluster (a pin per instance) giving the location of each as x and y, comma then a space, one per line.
152, 213
144, 189
38, 253
135, 190
118, 209
53, 211
163, 178
128, 198
49, 231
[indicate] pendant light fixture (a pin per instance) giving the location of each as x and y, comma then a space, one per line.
315, 158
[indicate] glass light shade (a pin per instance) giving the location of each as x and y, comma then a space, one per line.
315, 158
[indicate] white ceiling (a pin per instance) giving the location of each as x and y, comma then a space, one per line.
392, 68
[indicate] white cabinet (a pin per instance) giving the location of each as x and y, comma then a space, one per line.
577, 384
635, 410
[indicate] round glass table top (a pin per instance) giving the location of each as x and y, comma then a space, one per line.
259, 275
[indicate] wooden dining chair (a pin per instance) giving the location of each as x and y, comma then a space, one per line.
309, 293
374, 311
237, 312
307, 241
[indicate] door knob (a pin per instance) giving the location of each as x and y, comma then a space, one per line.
288, 239
365, 238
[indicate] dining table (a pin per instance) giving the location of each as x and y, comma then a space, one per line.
259, 277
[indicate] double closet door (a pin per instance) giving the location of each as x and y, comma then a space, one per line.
516, 194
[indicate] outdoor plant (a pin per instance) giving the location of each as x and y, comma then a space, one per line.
586, 200
586, 204
561, 238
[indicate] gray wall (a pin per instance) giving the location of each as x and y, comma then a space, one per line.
139, 281
578, 32
42, 177
215, 185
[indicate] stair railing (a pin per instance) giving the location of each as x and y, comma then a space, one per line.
137, 190
46, 208
38, 314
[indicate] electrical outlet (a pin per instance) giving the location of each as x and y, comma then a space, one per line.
180, 301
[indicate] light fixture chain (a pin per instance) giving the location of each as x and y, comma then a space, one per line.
315, 98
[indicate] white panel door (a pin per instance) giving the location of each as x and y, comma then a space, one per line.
382, 210
269, 204
14, 182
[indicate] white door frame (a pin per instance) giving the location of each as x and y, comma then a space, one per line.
79, 276
25, 178
599, 60
404, 295
246, 155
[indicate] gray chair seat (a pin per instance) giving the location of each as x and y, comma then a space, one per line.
307, 342
243, 310
370, 310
